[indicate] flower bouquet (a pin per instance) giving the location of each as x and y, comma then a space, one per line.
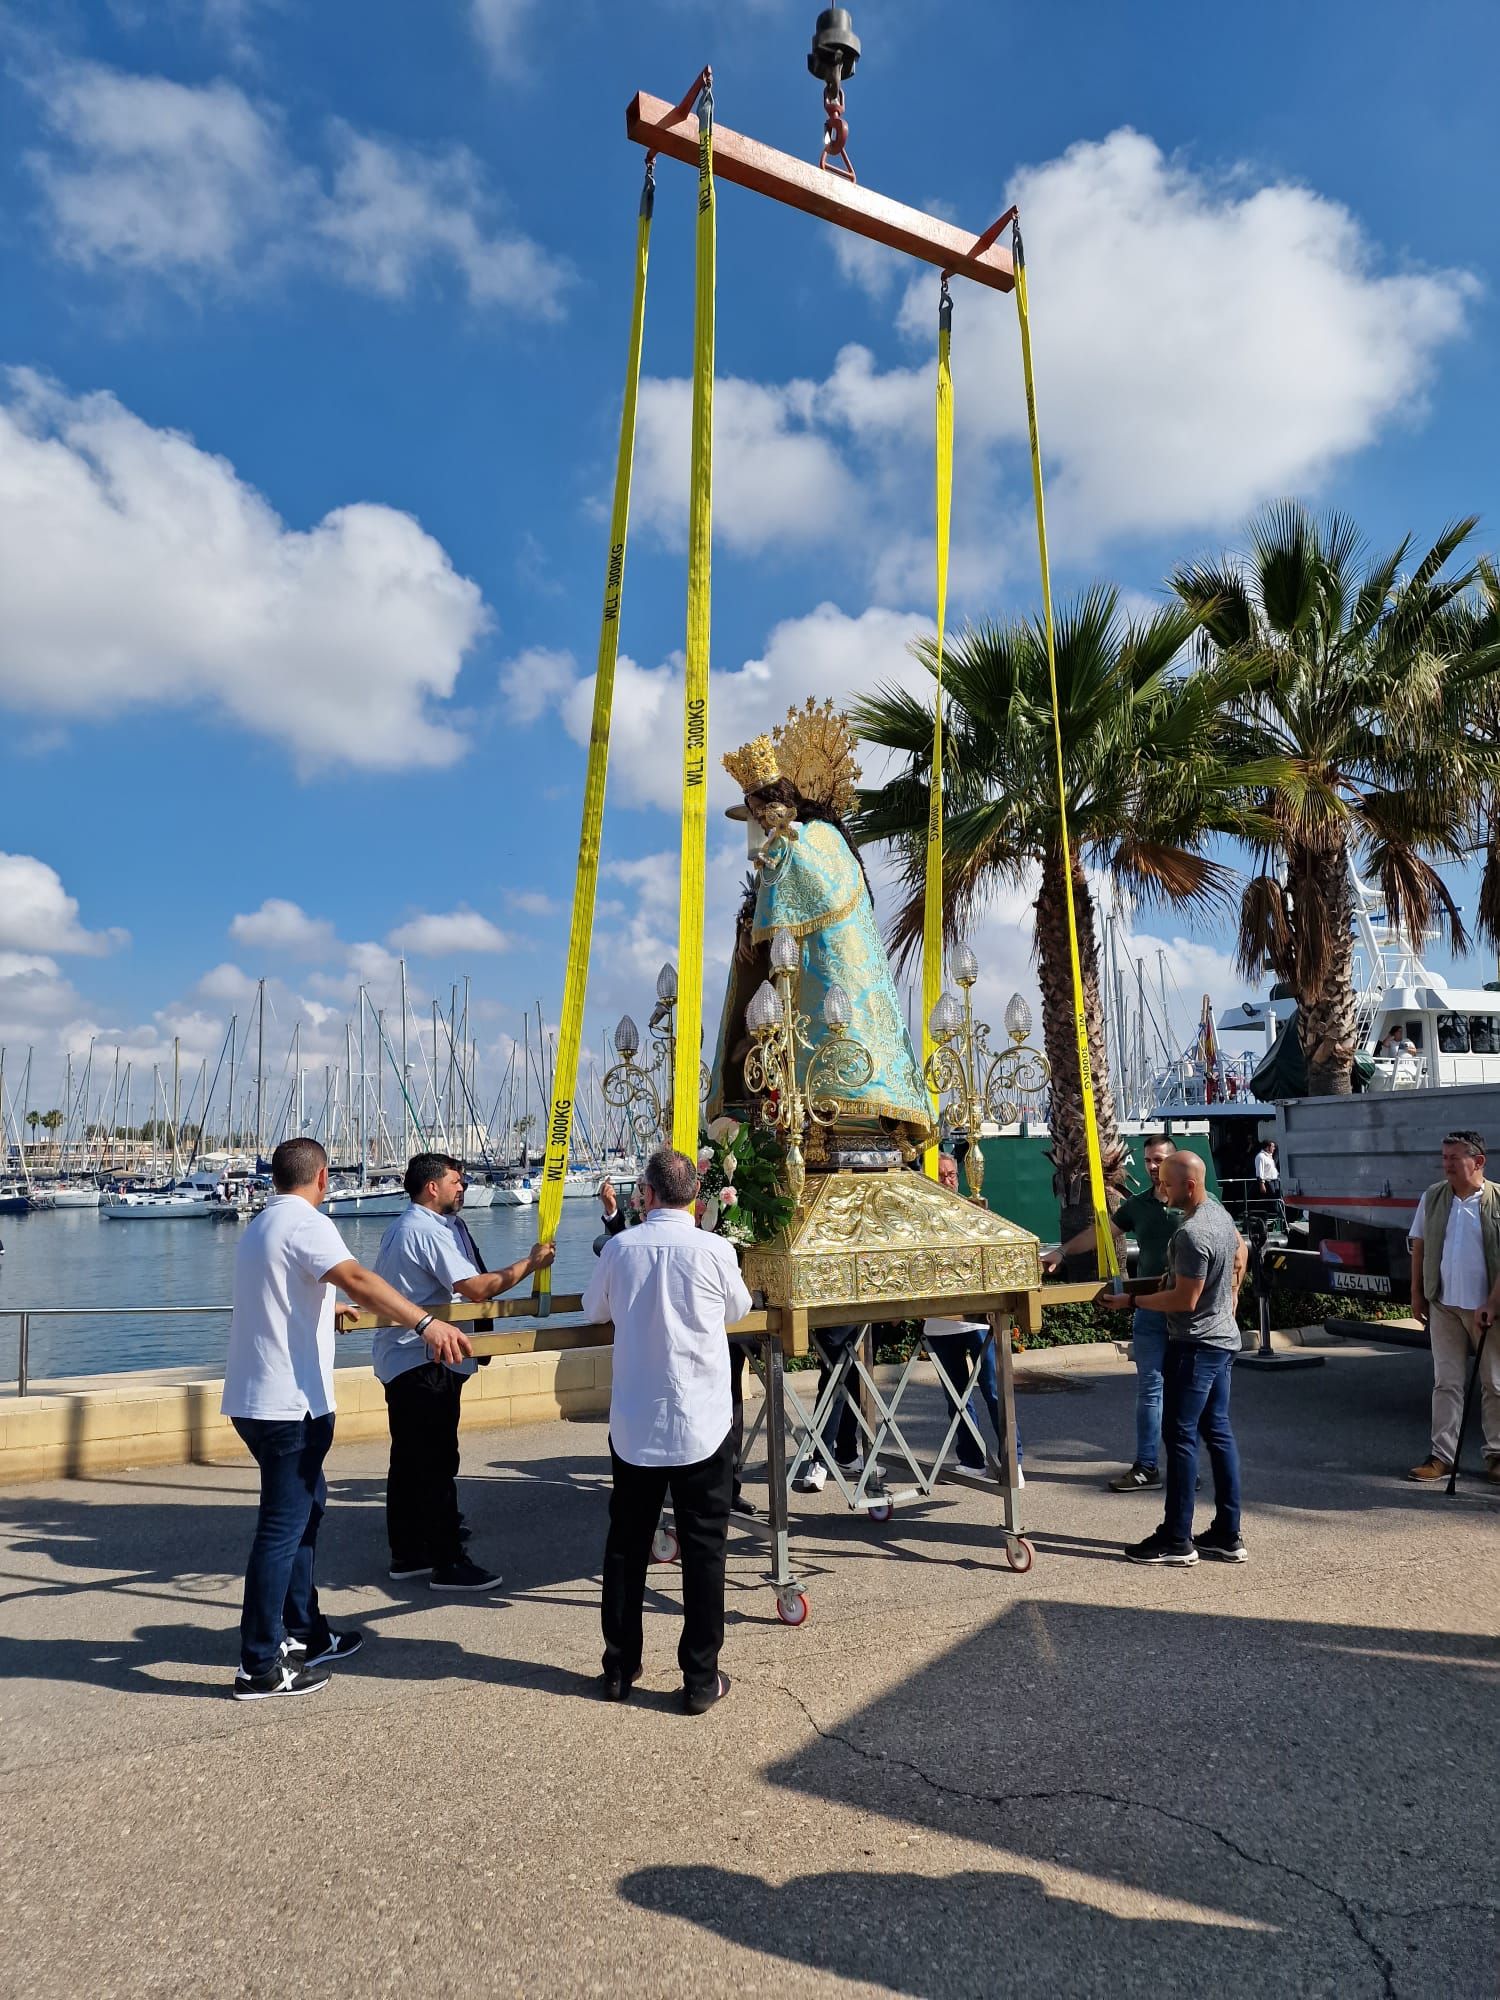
740, 1195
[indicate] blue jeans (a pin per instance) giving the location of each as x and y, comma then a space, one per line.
1196, 1403
280, 1595
955, 1353
1148, 1345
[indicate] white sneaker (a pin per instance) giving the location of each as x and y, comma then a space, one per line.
812, 1478
851, 1467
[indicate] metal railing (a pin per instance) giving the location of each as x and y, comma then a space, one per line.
26, 1314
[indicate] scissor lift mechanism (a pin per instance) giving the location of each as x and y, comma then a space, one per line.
793, 1429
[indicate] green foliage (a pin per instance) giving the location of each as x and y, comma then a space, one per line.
747, 1159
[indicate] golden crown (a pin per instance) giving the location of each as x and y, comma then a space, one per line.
753, 764
815, 749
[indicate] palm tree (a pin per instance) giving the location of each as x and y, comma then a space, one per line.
52, 1122
1370, 671
1147, 786
33, 1119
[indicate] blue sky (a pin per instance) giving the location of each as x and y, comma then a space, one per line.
315, 319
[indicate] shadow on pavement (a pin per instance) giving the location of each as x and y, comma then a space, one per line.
967, 1936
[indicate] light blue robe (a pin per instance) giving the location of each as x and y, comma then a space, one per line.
812, 886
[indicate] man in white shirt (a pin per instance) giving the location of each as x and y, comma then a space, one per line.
1455, 1290
671, 1289
1267, 1170
278, 1393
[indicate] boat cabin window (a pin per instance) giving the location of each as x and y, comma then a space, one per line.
1453, 1034
1396, 1032
1484, 1034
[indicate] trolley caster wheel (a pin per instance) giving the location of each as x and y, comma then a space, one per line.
664, 1546
792, 1607
1020, 1554
881, 1512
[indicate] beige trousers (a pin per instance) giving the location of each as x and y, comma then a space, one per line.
1454, 1338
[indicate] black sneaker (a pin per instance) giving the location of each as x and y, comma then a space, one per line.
1139, 1479
1158, 1549
463, 1575
337, 1646
700, 1704
742, 1504
1220, 1547
403, 1572
286, 1677
616, 1687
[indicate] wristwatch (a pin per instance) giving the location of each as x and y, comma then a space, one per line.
423, 1323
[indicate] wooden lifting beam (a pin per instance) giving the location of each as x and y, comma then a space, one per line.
652, 122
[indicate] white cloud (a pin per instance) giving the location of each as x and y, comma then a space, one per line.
776, 479
136, 568
826, 653
874, 267
195, 182
437, 935
227, 982
534, 681
533, 902
157, 174
499, 25
393, 212
282, 926
38, 915
1202, 344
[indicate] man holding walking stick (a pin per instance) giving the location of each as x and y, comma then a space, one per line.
1455, 1292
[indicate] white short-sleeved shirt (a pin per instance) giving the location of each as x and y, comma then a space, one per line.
420, 1255
671, 1289
1266, 1168
1466, 1283
280, 1362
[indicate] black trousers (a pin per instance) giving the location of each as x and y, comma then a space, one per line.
700, 1512
738, 1354
421, 1494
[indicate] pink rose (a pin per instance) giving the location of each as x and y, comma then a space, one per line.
727, 1197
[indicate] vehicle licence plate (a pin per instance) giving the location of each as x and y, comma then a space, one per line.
1361, 1281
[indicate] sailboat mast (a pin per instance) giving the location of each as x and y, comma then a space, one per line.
260, 1073
234, 1025
176, 1096
364, 1096
405, 1084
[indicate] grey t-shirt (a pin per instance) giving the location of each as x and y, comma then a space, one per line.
1204, 1246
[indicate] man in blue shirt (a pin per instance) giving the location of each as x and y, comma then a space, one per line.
423, 1255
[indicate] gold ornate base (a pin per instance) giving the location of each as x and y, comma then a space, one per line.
866, 1240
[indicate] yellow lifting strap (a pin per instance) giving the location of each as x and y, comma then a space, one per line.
932, 906
695, 678
1104, 1241
586, 881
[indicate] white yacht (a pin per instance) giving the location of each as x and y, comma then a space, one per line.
478, 1195
355, 1198
73, 1194
1413, 1030
183, 1201
517, 1193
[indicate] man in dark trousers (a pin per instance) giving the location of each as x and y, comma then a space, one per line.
670, 1289
422, 1255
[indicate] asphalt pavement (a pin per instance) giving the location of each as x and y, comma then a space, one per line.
952, 1781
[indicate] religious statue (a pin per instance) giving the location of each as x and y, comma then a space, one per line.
809, 881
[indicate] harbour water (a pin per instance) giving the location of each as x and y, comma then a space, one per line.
74, 1258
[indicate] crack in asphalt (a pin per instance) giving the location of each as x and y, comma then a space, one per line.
1356, 1914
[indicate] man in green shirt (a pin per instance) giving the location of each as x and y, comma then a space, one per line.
1152, 1223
